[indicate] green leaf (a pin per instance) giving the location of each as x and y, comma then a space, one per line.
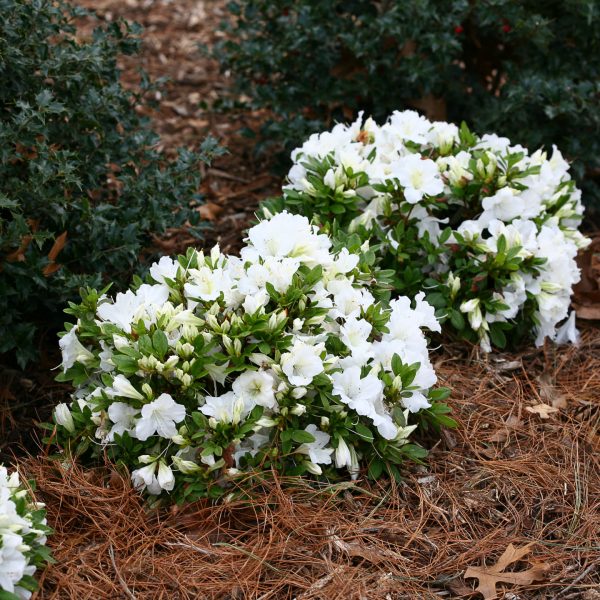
440, 393
457, 319
160, 343
497, 336
364, 432
125, 364
376, 467
302, 437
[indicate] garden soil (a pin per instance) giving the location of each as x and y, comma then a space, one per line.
507, 506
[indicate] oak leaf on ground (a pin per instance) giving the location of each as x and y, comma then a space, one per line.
489, 577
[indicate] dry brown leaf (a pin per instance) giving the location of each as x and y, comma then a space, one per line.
50, 268
501, 364
372, 555
19, 254
549, 393
210, 211
589, 313
501, 435
59, 244
543, 410
489, 577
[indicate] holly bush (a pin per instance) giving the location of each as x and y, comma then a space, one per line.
82, 186
526, 70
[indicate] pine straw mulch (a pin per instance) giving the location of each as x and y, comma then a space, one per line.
522, 467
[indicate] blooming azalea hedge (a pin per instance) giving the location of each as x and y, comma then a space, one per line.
279, 359
23, 532
487, 231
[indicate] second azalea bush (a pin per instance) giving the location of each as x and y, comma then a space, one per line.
23, 534
281, 359
488, 231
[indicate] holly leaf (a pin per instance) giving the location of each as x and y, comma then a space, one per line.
489, 577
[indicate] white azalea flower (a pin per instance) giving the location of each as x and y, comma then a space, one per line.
204, 284
129, 307
302, 363
145, 479
410, 125
419, 177
316, 451
13, 563
121, 387
159, 417
228, 408
123, 417
257, 386
73, 350
165, 268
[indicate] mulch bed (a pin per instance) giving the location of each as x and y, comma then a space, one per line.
521, 468
509, 474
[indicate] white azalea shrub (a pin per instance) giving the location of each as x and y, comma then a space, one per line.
485, 229
23, 532
279, 359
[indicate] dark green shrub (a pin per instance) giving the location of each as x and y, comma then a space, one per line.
527, 70
82, 187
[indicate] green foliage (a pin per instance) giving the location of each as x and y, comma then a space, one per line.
527, 70
82, 186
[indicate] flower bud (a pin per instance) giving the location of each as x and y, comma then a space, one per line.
212, 322
237, 346
343, 457
354, 469
63, 416
329, 179
298, 409
171, 362
453, 284
480, 168
227, 343
551, 287
185, 466
313, 468
272, 323
215, 254
147, 390
146, 459
266, 422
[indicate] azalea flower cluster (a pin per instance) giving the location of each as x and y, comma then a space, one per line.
486, 229
23, 532
278, 359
